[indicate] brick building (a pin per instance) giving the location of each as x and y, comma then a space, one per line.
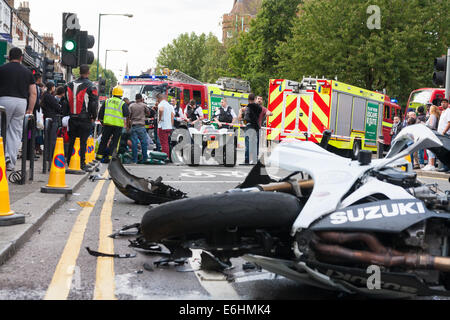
16, 31
238, 20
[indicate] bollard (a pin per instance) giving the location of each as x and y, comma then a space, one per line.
47, 135
3, 123
28, 124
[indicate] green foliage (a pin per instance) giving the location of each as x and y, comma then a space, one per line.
111, 80
200, 56
330, 38
294, 38
254, 56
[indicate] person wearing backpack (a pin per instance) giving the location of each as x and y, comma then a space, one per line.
82, 98
225, 116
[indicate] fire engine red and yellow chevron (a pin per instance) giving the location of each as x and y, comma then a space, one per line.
276, 97
321, 114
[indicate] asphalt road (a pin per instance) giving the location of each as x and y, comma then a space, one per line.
55, 264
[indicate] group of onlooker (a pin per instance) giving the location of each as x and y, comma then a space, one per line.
434, 119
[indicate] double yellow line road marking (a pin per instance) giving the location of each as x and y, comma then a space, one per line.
61, 283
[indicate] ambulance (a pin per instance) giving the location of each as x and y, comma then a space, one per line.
304, 110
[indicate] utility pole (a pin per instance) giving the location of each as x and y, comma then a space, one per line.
447, 82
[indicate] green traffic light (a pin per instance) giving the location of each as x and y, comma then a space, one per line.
70, 45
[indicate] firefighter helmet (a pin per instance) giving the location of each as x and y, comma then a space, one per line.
117, 91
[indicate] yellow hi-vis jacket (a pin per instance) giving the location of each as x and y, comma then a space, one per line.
114, 113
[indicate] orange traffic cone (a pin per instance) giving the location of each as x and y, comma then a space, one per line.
57, 181
7, 216
75, 160
88, 152
91, 151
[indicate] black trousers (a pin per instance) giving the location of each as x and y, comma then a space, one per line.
79, 128
106, 150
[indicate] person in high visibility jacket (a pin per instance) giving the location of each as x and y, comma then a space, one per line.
113, 115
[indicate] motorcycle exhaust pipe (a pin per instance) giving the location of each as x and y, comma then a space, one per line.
370, 240
387, 260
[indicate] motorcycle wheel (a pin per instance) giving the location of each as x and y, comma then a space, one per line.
235, 156
195, 149
265, 210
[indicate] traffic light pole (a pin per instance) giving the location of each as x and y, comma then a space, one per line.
447, 83
98, 46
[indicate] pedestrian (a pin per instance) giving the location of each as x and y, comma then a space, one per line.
421, 119
59, 94
265, 113
166, 121
18, 95
51, 110
444, 122
251, 115
396, 128
138, 112
37, 113
112, 115
179, 114
432, 123
444, 126
154, 121
193, 113
82, 104
225, 116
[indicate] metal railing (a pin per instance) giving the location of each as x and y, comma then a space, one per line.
29, 125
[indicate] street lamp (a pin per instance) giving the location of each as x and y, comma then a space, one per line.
99, 29
106, 58
106, 55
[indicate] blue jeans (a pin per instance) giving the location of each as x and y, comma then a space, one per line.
156, 138
139, 135
422, 157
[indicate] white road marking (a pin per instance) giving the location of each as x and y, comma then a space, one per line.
213, 282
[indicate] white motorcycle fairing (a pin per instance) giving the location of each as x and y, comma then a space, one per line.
334, 176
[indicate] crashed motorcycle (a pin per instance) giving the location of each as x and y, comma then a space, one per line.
192, 143
328, 222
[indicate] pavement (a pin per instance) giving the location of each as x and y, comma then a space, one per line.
36, 206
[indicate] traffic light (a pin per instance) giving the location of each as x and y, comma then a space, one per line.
71, 30
440, 68
85, 42
102, 87
49, 69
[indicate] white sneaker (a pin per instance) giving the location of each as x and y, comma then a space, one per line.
429, 168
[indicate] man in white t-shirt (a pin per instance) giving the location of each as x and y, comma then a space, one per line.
166, 118
444, 125
444, 122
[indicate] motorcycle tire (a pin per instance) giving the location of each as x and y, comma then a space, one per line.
235, 156
265, 210
193, 161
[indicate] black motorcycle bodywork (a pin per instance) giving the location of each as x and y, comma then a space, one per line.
142, 191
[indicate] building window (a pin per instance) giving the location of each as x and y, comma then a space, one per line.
229, 34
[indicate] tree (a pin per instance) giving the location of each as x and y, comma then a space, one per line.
254, 56
397, 57
200, 56
108, 75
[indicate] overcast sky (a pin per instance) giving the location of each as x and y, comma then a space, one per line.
154, 25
